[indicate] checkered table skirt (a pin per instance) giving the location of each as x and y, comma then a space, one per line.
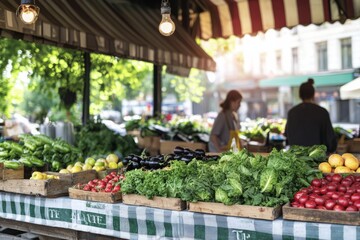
135, 222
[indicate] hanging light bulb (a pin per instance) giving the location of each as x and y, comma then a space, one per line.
28, 11
167, 26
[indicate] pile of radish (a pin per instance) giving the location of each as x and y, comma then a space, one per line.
333, 192
109, 184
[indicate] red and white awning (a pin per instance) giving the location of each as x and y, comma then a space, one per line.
224, 18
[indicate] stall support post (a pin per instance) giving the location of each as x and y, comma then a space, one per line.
157, 90
86, 90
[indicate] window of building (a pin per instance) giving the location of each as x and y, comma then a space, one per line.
278, 60
295, 60
321, 49
262, 63
346, 56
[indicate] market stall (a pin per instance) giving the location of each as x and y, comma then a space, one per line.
134, 222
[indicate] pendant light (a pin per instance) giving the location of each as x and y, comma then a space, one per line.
28, 12
167, 26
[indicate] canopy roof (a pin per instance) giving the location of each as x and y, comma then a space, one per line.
351, 90
224, 18
129, 28
115, 27
321, 79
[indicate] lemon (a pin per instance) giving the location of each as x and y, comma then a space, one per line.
336, 160
80, 164
69, 167
342, 169
120, 164
113, 165
352, 163
99, 168
358, 170
64, 171
76, 169
86, 167
325, 167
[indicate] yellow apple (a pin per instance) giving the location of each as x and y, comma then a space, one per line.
80, 164
37, 175
112, 158
69, 167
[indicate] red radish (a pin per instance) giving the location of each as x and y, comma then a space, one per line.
341, 188
351, 208
319, 201
316, 182
303, 199
357, 204
338, 207
355, 197
343, 201
336, 178
321, 207
310, 204
329, 204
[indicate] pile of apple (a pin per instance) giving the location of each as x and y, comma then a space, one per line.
109, 184
333, 192
42, 176
110, 162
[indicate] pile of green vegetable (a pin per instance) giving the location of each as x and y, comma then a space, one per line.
37, 150
237, 178
313, 155
96, 139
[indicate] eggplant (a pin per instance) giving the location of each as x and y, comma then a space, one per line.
170, 156
200, 152
136, 159
190, 155
154, 165
154, 159
177, 157
135, 165
178, 150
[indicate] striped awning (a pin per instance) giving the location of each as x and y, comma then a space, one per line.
111, 27
224, 18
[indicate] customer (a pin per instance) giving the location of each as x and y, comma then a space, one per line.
309, 124
225, 122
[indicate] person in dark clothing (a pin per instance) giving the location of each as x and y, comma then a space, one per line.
309, 124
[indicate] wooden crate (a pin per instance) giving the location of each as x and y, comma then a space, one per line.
156, 202
46, 188
11, 173
267, 213
94, 196
75, 178
354, 145
323, 216
167, 147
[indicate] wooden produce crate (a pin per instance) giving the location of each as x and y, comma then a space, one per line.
354, 145
6, 174
323, 216
156, 202
46, 188
75, 178
94, 196
267, 213
167, 147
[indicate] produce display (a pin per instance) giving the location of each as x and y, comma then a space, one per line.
109, 184
160, 161
333, 192
345, 163
237, 178
37, 150
110, 162
96, 139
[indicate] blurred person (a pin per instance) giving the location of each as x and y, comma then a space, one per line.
309, 124
225, 122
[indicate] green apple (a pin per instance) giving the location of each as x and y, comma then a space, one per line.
86, 167
80, 164
113, 165
91, 161
64, 171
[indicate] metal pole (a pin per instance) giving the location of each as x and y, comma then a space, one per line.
86, 90
157, 90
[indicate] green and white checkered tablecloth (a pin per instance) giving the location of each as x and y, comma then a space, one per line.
135, 222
